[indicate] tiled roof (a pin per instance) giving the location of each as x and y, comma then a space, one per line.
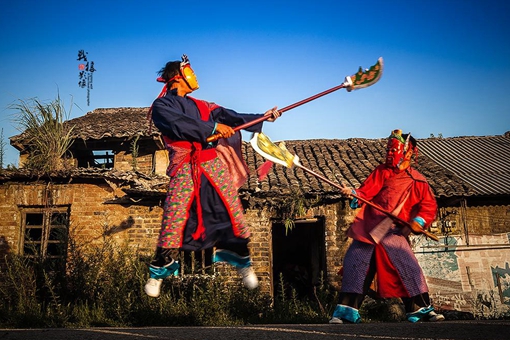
134, 181
460, 166
349, 161
124, 123
482, 162
112, 123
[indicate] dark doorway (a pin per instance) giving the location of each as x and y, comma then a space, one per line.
299, 257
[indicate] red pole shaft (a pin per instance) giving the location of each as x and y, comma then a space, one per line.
286, 108
290, 107
309, 99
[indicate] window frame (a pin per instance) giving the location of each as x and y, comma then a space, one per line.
49, 234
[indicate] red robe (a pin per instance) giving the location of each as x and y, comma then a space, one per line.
397, 269
387, 188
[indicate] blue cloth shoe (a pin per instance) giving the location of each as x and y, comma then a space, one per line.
346, 313
419, 314
242, 265
156, 276
163, 272
222, 255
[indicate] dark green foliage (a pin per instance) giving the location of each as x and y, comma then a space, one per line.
102, 285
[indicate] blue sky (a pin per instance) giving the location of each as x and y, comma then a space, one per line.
446, 62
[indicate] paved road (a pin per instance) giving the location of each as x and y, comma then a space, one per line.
447, 330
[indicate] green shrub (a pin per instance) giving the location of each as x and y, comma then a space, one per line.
102, 285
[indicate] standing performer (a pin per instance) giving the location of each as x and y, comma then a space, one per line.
202, 208
379, 246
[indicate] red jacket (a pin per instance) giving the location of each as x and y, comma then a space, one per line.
387, 188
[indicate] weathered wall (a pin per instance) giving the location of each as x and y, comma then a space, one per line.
143, 162
474, 278
482, 220
261, 246
90, 216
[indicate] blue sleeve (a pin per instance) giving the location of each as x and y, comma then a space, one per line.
170, 118
233, 119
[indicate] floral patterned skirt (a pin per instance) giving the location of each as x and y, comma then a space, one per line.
220, 209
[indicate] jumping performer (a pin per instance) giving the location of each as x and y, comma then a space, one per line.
202, 209
381, 247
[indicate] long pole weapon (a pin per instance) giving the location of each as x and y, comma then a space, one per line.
280, 155
359, 80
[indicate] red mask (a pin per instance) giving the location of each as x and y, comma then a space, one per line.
399, 151
394, 153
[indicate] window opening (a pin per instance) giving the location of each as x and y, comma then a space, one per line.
45, 233
103, 159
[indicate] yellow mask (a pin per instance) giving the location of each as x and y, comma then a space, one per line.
189, 76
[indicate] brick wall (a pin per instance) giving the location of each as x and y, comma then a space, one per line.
138, 224
260, 246
124, 161
486, 220
90, 217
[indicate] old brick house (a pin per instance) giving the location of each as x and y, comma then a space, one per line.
118, 185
